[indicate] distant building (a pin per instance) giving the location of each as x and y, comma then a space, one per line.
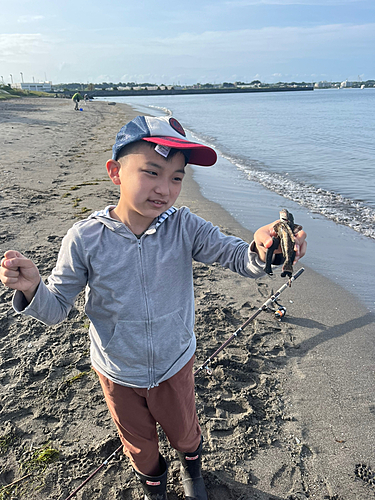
345, 84
247, 85
39, 86
323, 85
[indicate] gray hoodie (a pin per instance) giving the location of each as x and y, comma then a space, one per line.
139, 291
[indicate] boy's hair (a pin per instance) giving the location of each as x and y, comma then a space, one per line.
130, 148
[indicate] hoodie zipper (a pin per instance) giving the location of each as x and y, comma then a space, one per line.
150, 355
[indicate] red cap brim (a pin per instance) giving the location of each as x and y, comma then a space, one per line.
200, 154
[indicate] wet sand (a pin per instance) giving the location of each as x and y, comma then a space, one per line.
289, 410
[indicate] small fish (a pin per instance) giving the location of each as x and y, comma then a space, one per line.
285, 230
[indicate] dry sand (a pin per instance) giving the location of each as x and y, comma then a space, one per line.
279, 414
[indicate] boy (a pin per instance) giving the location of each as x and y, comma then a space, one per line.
135, 260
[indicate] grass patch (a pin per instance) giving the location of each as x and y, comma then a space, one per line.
7, 92
76, 202
6, 441
4, 97
6, 492
76, 377
40, 458
31, 470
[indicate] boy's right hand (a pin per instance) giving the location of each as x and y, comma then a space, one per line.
19, 273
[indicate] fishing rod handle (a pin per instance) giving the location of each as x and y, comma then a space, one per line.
298, 273
284, 287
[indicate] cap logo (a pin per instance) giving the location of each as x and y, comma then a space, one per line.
163, 150
177, 126
153, 483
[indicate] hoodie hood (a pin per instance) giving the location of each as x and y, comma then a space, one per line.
104, 217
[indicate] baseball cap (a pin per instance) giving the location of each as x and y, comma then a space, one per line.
166, 132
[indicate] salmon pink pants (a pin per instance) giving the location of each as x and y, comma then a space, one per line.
136, 412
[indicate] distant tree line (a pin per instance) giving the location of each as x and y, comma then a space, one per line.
74, 86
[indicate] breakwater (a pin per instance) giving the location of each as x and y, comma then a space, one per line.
165, 92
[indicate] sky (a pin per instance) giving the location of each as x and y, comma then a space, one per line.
197, 41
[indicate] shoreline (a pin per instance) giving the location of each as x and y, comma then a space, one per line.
281, 416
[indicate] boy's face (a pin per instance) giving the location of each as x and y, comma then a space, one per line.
149, 184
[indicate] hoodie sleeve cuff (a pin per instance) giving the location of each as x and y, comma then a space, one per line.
254, 256
19, 302
22, 306
277, 258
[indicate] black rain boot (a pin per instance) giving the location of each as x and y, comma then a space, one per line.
191, 474
155, 487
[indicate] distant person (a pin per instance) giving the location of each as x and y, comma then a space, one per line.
86, 99
76, 98
135, 261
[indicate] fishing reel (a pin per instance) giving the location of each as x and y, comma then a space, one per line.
280, 312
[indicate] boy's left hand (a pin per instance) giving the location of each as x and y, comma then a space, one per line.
263, 240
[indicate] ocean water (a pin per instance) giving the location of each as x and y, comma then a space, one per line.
310, 152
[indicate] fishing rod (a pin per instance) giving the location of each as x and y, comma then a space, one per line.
271, 300
95, 472
263, 307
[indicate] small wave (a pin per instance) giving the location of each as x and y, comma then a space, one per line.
167, 111
334, 206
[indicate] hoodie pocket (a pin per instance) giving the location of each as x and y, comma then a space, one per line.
171, 338
127, 349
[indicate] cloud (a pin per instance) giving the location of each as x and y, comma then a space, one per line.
17, 47
291, 40
30, 19
244, 52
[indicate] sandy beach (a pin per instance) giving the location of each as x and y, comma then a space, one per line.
289, 410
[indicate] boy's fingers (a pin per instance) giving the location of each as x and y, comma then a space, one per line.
16, 262
300, 238
268, 243
301, 250
10, 263
297, 255
9, 259
11, 273
300, 245
10, 282
266, 233
11, 254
